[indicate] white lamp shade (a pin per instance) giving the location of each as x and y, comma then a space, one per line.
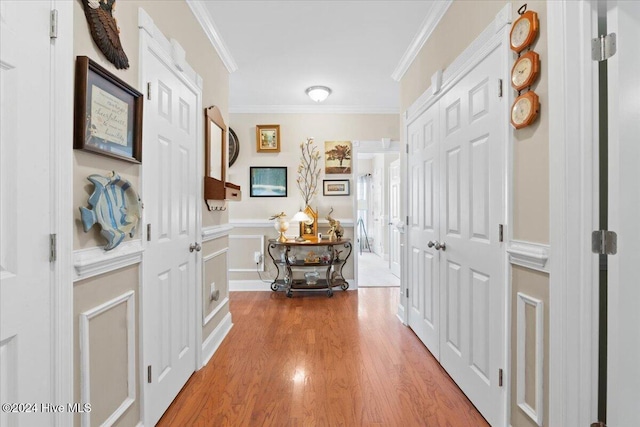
318, 93
301, 217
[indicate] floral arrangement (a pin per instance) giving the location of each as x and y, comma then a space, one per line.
308, 170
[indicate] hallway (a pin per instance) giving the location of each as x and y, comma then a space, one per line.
318, 361
373, 271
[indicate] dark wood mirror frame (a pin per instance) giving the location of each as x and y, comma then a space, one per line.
214, 181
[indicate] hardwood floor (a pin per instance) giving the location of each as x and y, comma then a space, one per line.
317, 361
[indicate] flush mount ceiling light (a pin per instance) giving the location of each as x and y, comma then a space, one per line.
318, 93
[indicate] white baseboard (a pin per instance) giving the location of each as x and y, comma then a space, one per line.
213, 341
400, 313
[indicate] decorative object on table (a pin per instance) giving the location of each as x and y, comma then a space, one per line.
105, 31
108, 113
308, 170
234, 147
335, 187
115, 205
309, 228
304, 219
337, 158
281, 224
268, 181
338, 255
268, 138
311, 258
311, 277
335, 229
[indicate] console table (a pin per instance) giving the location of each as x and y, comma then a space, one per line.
325, 255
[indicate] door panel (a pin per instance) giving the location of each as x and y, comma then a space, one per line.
474, 305
394, 218
623, 369
25, 210
169, 266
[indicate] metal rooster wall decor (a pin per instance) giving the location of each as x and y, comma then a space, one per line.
105, 31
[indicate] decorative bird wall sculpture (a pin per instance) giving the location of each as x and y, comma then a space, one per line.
105, 31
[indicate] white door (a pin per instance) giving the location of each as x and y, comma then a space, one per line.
377, 197
169, 267
394, 217
623, 369
472, 118
25, 202
424, 214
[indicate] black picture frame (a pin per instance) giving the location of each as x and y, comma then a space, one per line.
267, 181
336, 187
107, 113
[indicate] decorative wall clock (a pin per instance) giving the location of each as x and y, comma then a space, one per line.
104, 30
524, 31
525, 109
234, 147
525, 70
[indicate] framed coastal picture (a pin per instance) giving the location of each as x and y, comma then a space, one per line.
108, 113
267, 181
268, 138
335, 187
337, 157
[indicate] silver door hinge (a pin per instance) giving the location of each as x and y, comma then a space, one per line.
53, 24
148, 232
149, 374
407, 222
604, 242
499, 377
603, 47
406, 292
499, 88
500, 232
53, 243
149, 90
406, 148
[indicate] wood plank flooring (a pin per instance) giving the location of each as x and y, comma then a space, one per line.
317, 361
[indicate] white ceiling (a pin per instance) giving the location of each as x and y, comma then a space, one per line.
282, 47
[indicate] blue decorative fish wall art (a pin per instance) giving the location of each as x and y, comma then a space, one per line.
115, 205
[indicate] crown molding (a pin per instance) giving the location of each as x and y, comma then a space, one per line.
311, 109
203, 17
429, 24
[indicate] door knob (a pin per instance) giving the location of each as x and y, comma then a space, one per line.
441, 246
432, 244
195, 247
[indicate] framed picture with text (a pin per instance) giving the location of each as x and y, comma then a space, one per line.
107, 113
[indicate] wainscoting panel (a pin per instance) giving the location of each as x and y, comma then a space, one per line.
241, 250
107, 326
530, 356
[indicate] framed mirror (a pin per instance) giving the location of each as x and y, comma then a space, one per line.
215, 144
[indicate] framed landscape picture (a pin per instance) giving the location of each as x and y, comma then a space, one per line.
267, 181
337, 157
335, 187
268, 138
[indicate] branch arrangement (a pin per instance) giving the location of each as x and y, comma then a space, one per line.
308, 170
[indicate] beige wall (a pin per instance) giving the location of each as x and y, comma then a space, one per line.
294, 129
175, 20
462, 23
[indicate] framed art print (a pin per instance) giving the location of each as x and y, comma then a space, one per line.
267, 181
268, 138
335, 187
108, 113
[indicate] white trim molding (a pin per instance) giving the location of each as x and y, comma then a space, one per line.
529, 254
312, 109
215, 311
437, 11
205, 20
535, 413
127, 298
94, 261
573, 213
213, 341
216, 232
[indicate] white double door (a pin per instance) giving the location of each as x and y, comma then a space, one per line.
170, 202
455, 260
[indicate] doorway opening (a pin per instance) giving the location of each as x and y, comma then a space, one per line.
377, 246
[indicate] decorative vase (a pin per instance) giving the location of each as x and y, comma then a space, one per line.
311, 277
281, 225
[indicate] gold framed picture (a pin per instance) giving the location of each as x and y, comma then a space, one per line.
337, 157
268, 138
